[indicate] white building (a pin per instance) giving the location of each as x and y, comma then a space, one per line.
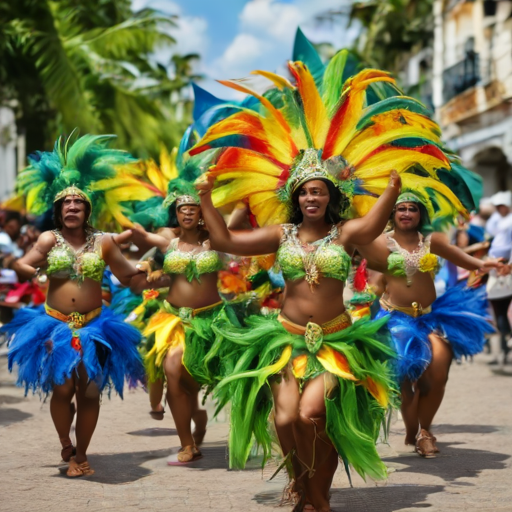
472, 85
11, 152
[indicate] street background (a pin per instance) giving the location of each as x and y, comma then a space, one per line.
129, 452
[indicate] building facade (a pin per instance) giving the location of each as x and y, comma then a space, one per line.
472, 85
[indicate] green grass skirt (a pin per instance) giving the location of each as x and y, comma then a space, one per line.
355, 408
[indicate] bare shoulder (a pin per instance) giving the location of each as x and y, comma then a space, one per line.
168, 233
46, 240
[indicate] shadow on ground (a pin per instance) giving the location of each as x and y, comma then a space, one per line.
8, 416
464, 429
368, 499
122, 468
453, 463
154, 432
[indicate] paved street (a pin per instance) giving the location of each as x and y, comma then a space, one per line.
129, 452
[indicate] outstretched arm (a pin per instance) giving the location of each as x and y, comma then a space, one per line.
242, 243
441, 246
114, 258
143, 239
366, 229
26, 267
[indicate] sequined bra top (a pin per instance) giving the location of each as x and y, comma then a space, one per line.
191, 264
322, 258
402, 263
64, 262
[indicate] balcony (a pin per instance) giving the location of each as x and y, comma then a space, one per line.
461, 77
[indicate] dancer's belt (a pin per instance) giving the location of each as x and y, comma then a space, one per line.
314, 333
415, 310
186, 314
75, 320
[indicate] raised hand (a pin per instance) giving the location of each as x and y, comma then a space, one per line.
394, 180
204, 183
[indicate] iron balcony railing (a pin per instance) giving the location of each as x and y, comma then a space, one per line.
461, 76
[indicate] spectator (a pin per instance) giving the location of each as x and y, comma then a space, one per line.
499, 226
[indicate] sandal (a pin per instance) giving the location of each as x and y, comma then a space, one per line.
75, 469
426, 445
67, 452
157, 415
186, 455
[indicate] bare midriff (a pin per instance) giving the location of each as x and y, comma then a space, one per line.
68, 296
319, 305
421, 290
195, 294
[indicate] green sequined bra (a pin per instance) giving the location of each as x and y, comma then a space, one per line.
191, 264
64, 262
311, 261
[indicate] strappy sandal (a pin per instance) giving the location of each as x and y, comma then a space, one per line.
75, 469
67, 452
186, 455
426, 445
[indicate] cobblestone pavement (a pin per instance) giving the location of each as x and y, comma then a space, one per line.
129, 452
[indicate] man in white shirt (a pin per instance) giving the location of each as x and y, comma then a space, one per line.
499, 226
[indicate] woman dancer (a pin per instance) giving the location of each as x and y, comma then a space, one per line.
180, 332
73, 346
304, 161
427, 333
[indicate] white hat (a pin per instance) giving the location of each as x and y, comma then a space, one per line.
502, 198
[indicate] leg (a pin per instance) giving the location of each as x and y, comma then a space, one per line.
156, 392
180, 388
500, 308
62, 411
315, 451
409, 408
88, 411
432, 383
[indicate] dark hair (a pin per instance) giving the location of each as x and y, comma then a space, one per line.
12, 215
333, 210
57, 213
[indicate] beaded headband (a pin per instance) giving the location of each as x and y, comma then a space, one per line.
184, 200
309, 168
73, 191
408, 197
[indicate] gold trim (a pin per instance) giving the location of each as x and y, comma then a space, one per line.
415, 309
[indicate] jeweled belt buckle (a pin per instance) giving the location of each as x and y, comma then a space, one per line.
418, 309
186, 314
76, 320
314, 337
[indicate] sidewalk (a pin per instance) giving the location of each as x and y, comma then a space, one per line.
129, 450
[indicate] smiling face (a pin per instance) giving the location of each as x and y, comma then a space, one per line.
407, 217
74, 212
189, 216
314, 199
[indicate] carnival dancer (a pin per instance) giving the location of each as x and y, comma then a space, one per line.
73, 346
307, 160
428, 333
180, 334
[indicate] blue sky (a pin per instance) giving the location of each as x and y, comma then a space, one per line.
234, 37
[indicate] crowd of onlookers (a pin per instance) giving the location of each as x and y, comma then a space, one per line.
489, 232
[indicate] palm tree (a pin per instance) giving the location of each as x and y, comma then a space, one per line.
67, 64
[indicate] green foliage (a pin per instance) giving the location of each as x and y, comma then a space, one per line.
392, 28
67, 64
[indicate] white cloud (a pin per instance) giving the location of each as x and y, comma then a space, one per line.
191, 35
269, 17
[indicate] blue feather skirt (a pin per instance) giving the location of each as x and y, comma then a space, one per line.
460, 316
42, 348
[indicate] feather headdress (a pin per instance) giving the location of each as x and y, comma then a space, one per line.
88, 167
322, 126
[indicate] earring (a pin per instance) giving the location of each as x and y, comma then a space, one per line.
201, 222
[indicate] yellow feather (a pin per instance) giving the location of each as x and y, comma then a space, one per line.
279, 81
168, 163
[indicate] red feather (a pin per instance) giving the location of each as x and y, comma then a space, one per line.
361, 277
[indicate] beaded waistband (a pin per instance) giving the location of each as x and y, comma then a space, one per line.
75, 320
415, 310
189, 313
